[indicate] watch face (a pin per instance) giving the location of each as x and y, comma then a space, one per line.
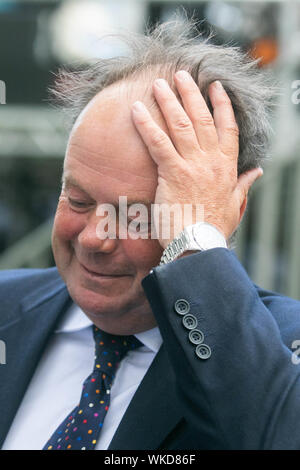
207, 236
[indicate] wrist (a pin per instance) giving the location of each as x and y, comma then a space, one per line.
197, 237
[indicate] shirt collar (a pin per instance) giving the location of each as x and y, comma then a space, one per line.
76, 320
73, 320
150, 338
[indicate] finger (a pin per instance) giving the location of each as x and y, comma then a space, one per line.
197, 110
180, 126
246, 180
156, 140
226, 126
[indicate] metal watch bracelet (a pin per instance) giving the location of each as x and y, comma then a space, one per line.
174, 249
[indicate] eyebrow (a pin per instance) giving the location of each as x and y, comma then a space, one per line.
70, 181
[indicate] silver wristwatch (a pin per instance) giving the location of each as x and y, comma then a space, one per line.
197, 237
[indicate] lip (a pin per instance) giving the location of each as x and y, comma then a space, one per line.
101, 275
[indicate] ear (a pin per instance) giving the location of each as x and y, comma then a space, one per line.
243, 208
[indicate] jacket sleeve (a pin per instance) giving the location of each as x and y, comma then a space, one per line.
246, 395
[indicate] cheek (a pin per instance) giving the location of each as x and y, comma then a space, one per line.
67, 224
144, 254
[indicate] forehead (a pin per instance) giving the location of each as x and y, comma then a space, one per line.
105, 144
107, 121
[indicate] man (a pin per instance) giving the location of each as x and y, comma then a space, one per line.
213, 369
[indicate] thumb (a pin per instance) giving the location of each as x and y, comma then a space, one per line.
246, 180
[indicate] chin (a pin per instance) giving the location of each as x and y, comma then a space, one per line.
112, 302
124, 314
94, 302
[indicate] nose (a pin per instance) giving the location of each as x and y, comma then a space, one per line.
90, 238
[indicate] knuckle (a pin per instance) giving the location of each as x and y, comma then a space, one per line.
233, 130
206, 120
183, 124
157, 139
143, 121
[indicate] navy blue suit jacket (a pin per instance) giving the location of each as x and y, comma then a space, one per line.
245, 396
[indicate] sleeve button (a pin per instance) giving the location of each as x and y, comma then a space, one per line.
196, 336
189, 321
182, 306
203, 351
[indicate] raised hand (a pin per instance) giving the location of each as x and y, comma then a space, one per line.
197, 159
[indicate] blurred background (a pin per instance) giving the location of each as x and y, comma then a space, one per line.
37, 37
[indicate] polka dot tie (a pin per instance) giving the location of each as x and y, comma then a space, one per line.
81, 429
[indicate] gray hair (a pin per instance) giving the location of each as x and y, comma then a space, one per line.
162, 51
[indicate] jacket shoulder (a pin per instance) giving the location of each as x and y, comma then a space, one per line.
26, 277
17, 284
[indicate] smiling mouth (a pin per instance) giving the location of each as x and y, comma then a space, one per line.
101, 275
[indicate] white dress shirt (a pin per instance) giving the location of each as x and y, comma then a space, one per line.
56, 385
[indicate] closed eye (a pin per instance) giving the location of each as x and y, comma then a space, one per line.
78, 204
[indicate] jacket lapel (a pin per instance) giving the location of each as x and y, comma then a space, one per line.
25, 337
153, 412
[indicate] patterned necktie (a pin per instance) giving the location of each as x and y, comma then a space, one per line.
81, 428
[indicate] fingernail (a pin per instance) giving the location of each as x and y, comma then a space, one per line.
218, 85
161, 83
138, 107
182, 75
